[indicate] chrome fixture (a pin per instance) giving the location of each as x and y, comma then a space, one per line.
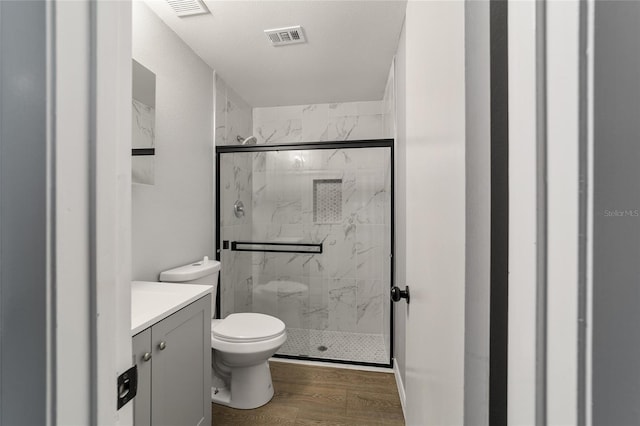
238, 209
251, 140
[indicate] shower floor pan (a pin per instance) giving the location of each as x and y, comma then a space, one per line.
337, 345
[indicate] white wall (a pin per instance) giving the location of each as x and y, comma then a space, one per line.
521, 386
72, 218
111, 206
563, 138
173, 220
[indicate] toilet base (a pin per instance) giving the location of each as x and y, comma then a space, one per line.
251, 387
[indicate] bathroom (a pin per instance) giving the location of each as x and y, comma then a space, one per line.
523, 296
206, 194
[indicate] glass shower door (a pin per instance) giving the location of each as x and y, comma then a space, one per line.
305, 236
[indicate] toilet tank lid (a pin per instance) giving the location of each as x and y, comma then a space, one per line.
192, 271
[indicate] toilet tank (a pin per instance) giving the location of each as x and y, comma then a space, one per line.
203, 271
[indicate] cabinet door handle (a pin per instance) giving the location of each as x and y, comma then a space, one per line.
146, 356
162, 345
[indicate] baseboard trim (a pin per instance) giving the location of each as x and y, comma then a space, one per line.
400, 386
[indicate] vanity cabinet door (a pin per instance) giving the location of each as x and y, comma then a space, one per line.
181, 385
142, 358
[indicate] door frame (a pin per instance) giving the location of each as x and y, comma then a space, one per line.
499, 257
91, 125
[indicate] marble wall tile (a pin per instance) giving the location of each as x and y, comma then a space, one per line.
342, 304
265, 296
371, 198
283, 266
339, 253
319, 122
389, 106
243, 287
237, 123
370, 107
270, 114
236, 278
341, 128
220, 112
318, 308
143, 169
143, 126
313, 160
143, 136
375, 159
355, 127
369, 297
338, 159
284, 131
236, 183
286, 299
343, 109
259, 163
233, 115
370, 253
293, 302
315, 125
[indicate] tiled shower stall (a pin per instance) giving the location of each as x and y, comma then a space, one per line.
332, 303
335, 304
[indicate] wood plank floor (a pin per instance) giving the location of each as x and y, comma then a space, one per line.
310, 395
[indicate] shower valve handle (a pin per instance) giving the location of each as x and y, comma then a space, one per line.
397, 294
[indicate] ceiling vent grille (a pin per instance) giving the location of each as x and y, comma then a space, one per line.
184, 8
288, 35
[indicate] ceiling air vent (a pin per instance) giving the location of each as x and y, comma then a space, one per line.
184, 8
289, 35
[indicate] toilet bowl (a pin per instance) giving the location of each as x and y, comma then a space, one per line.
241, 344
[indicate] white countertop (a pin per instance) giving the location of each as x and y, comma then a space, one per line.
152, 302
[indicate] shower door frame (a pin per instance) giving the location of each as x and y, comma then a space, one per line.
366, 143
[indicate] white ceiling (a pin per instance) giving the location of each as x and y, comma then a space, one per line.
347, 57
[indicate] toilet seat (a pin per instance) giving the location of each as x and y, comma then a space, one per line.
247, 327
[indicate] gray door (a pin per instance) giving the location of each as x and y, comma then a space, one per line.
616, 216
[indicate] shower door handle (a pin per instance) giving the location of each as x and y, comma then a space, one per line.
397, 294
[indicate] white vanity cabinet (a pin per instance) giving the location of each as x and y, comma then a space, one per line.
173, 356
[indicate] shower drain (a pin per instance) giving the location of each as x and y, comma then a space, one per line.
322, 348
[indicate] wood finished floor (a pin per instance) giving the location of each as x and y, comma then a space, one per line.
310, 395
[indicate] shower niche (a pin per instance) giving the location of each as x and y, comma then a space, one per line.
313, 246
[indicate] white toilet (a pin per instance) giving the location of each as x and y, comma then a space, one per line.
241, 343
